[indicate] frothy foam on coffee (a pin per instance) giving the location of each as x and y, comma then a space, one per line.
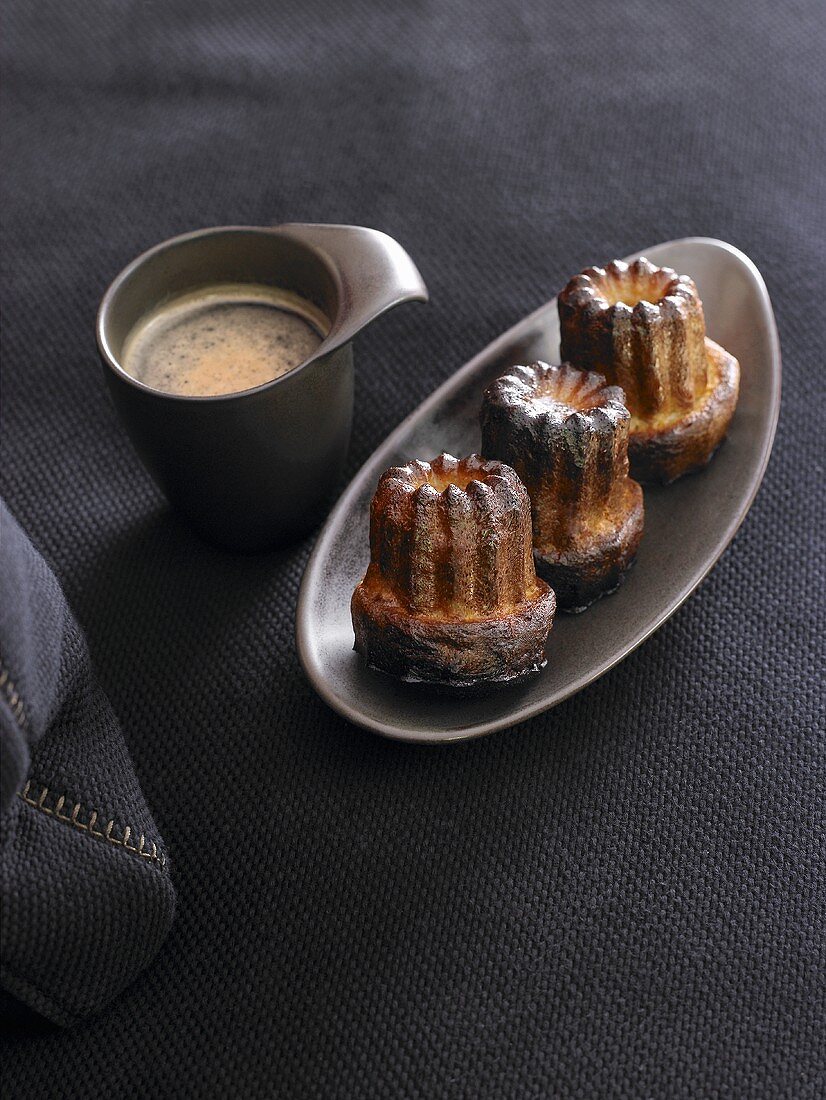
222, 339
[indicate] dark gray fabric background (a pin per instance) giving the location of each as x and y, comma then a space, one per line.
625, 897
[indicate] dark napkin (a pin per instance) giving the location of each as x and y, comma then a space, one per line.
84, 876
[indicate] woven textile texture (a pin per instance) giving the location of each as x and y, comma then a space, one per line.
625, 897
86, 894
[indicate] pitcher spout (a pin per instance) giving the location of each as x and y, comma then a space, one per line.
372, 271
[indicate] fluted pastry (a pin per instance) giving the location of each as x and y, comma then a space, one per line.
565, 432
643, 328
451, 596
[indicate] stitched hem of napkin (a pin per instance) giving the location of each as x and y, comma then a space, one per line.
75, 816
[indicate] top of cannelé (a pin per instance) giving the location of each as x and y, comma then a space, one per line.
624, 288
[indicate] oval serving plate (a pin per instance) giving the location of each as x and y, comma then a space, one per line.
687, 524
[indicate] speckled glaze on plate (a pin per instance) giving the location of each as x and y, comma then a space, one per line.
688, 524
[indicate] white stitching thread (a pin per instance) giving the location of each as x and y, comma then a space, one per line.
145, 849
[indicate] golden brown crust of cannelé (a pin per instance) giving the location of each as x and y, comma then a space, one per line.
452, 653
661, 455
581, 575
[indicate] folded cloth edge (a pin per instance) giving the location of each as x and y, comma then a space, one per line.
86, 892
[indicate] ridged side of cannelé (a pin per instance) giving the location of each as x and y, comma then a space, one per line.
451, 594
452, 536
565, 432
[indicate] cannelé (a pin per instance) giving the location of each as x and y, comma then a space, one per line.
565, 432
643, 328
451, 596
